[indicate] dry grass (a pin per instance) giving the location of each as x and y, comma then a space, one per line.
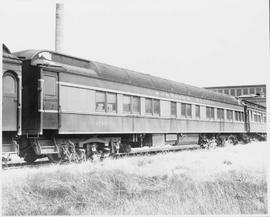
229, 180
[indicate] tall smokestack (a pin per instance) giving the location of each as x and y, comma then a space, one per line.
59, 25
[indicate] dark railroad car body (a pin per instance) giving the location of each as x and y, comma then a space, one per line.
11, 104
66, 97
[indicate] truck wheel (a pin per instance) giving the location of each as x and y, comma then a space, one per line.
30, 156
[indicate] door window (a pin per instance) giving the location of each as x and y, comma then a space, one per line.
49, 85
9, 85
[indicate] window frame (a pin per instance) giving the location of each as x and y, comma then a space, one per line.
198, 111
210, 113
130, 104
220, 114
15, 83
150, 112
252, 90
46, 94
115, 94
173, 107
106, 93
96, 107
229, 115
238, 91
185, 109
131, 108
153, 107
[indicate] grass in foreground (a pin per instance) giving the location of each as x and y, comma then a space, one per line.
230, 180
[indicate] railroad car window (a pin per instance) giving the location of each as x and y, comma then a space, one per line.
148, 106
236, 115
259, 118
245, 91
173, 109
210, 112
251, 90
100, 101
233, 92
239, 92
220, 91
255, 118
126, 104
220, 113
188, 110
111, 102
251, 116
197, 111
49, 85
136, 104
240, 116
9, 84
183, 109
156, 104
226, 91
229, 115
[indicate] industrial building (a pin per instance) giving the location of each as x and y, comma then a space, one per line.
251, 93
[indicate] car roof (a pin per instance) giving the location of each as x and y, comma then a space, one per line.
126, 76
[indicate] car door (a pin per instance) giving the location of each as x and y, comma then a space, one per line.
10, 102
50, 99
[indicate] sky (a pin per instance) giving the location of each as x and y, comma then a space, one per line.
198, 42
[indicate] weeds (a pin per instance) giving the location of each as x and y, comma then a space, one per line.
222, 181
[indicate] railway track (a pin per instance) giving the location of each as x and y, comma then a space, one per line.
18, 165
134, 152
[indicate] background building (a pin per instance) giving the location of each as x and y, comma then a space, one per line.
251, 93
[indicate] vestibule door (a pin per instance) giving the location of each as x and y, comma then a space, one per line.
10, 103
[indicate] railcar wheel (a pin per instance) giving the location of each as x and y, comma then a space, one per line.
54, 158
30, 156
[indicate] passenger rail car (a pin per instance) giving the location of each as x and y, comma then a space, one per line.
95, 106
255, 117
11, 101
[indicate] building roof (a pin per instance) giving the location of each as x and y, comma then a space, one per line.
237, 86
116, 74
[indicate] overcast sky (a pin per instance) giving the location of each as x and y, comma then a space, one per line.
198, 42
